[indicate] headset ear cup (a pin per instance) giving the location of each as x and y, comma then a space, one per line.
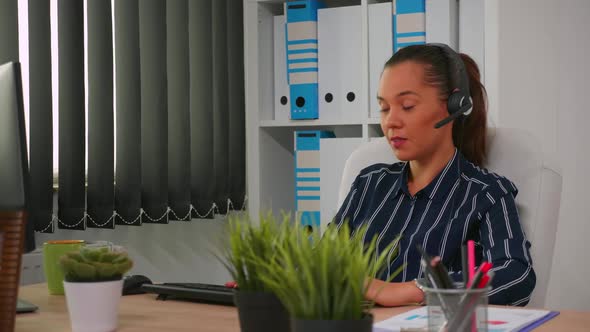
469, 103
458, 102
454, 102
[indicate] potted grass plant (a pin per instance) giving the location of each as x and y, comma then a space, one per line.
322, 282
93, 283
259, 309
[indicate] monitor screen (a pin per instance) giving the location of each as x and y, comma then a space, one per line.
13, 150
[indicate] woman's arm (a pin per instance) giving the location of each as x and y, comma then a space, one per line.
393, 294
505, 245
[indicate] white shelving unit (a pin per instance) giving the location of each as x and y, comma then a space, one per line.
269, 152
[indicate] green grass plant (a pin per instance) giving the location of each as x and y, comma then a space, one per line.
248, 244
326, 278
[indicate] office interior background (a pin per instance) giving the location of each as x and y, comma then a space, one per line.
536, 75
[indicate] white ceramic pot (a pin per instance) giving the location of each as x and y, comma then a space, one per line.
93, 306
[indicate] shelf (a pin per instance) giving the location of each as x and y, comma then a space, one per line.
374, 128
267, 1
328, 3
307, 123
317, 123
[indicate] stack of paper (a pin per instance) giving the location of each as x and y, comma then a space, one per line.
499, 320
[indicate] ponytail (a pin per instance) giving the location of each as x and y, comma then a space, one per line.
469, 132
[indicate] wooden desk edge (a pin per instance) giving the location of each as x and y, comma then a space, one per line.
181, 316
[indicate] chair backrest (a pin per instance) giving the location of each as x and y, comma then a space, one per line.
516, 155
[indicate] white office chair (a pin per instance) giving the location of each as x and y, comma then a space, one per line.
518, 156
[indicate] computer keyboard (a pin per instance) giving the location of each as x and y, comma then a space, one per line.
208, 293
193, 285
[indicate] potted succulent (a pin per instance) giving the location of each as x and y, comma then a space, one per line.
93, 283
259, 309
322, 282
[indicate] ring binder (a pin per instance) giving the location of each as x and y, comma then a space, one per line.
302, 58
408, 21
339, 59
307, 176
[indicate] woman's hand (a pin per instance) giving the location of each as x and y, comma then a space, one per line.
393, 294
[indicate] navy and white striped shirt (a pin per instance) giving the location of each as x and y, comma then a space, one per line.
463, 202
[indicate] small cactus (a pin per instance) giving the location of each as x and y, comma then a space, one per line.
93, 265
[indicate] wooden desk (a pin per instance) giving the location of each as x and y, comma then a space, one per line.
142, 313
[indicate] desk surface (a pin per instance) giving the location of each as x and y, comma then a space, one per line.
143, 313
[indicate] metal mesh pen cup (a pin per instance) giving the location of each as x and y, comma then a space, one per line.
457, 310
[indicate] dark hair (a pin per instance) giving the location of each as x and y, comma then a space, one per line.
469, 132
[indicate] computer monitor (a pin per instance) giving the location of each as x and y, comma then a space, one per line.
14, 175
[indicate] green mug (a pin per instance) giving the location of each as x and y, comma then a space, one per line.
52, 251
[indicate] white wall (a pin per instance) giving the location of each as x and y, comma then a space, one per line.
543, 74
177, 252
569, 279
527, 56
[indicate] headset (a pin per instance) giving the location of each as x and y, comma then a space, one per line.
459, 102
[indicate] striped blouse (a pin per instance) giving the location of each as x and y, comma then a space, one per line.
463, 202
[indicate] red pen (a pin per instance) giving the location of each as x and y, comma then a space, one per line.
486, 279
485, 267
480, 274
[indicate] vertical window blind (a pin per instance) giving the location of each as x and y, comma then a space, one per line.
150, 109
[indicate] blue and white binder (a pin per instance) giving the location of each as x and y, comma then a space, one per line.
409, 24
307, 176
302, 58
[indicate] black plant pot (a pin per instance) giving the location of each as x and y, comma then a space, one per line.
357, 325
261, 312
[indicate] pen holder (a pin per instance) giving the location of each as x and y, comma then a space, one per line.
457, 310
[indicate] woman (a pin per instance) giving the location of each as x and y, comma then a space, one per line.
438, 196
